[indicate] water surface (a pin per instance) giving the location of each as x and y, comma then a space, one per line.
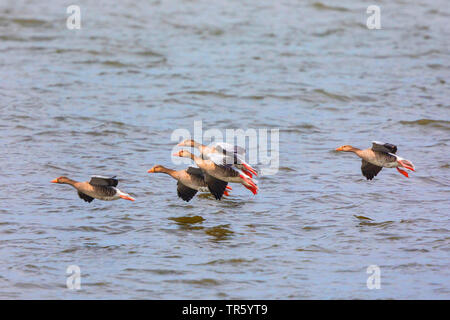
105, 100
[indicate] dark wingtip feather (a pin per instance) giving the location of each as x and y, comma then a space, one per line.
85, 197
185, 192
216, 187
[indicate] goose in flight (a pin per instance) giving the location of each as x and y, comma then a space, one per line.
192, 180
215, 167
102, 188
380, 155
232, 154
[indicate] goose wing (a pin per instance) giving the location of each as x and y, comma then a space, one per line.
196, 172
369, 170
85, 197
185, 192
384, 147
231, 162
225, 163
104, 181
221, 159
227, 148
215, 186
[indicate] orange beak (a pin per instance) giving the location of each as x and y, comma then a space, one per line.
151, 170
339, 149
180, 144
54, 181
127, 197
176, 154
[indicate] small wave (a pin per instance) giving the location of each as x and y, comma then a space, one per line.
441, 124
203, 93
321, 6
108, 63
202, 282
111, 63
11, 38
29, 22
286, 169
376, 224
71, 50
314, 248
149, 53
362, 217
333, 96
156, 271
435, 66
328, 32
302, 128
230, 261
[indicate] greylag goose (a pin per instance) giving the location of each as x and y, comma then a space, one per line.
102, 188
379, 156
233, 155
192, 180
225, 172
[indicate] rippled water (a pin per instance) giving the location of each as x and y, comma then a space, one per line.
105, 100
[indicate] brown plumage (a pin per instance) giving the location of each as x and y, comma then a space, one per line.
102, 188
192, 180
380, 155
231, 154
222, 172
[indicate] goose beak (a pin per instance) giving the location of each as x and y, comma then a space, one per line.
151, 170
180, 144
127, 197
54, 181
339, 149
176, 154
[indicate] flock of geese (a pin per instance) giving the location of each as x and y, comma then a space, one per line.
223, 163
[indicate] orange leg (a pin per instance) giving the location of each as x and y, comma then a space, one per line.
251, 183
406, 165
247, 173
253, 190
250, 169
403, 172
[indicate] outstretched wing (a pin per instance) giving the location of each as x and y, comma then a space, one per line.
231, 162
185, 192
104, 181
369, 170
196, 172
85, 197
222, 159
384, 147
216, 187
226, 148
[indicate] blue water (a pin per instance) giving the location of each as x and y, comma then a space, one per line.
105, 100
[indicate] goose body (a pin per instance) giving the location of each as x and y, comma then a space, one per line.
380, 155
101, 188
213, 167
192, 180
231, 154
